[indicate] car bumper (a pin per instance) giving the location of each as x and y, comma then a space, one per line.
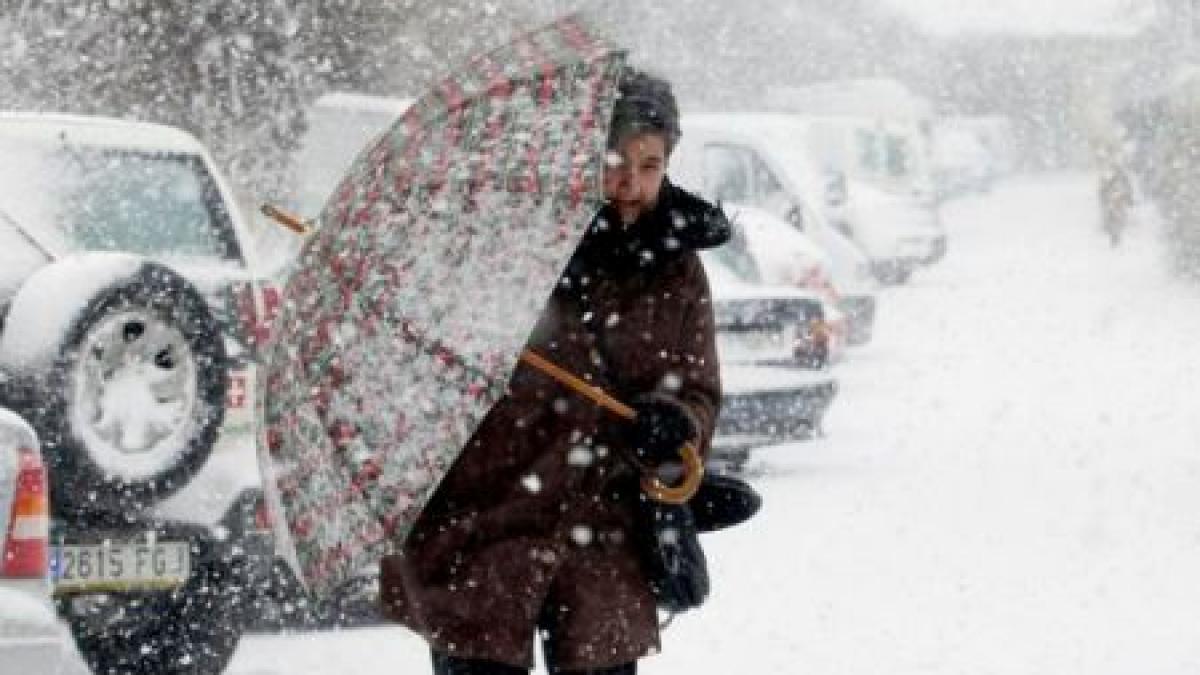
32, 640
775, 413
33, 654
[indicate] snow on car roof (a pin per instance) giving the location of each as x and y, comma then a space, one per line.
726, 285
770, 236
99, 131
778, 135
363, 102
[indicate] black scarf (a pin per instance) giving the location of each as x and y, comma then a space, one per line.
679, 222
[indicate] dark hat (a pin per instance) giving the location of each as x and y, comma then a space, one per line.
645, 104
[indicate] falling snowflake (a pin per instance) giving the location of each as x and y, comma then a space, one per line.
580, 455
532, 483
671, 382
582, 535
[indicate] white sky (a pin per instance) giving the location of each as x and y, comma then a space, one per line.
1027, 16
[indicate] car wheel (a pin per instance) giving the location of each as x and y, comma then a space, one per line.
192, 630
130, 402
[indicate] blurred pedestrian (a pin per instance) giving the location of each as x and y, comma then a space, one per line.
532, 531
1116, 199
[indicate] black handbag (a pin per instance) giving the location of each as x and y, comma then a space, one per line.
674, 560
723, 501
669, 538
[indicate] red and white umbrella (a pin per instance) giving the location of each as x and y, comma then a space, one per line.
411, 302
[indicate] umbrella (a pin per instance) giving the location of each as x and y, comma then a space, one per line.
406, 314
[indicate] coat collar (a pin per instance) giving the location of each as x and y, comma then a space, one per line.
680, 222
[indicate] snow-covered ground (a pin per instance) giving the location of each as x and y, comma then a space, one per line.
1008, 486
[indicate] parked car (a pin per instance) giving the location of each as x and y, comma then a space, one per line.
31, 637
789, 184
754, 151
774, 388
882, 193
130, 316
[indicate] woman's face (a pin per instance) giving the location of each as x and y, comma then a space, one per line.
633, 174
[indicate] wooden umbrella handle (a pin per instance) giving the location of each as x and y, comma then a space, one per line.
693, 465
288, 220
693, 474
567, 378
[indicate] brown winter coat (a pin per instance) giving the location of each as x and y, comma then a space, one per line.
532, 525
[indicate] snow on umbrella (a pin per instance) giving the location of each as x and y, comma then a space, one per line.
404, 318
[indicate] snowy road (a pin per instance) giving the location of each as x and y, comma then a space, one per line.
1009, 485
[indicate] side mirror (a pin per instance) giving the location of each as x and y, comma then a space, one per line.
795, 216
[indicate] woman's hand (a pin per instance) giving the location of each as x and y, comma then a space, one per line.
661, 427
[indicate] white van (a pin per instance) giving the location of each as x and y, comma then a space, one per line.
887, 185
722, 157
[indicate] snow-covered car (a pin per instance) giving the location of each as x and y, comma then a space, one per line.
753, 156
31, 637
886, 202
789, 184
130, 315
899, 222
773, 389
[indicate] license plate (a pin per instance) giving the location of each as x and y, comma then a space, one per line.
113, 567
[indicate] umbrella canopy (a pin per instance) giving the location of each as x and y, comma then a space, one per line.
410, 304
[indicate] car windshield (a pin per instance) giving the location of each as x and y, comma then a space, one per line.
149, 203
158, 204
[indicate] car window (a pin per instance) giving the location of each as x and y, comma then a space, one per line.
868, 150
766, 184
896, 156
769, 192
157, 204
727, 173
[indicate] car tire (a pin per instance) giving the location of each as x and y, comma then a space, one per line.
130, 401
193, 630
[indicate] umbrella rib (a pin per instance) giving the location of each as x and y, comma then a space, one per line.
438, 350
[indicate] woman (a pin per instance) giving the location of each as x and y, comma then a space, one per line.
532, 529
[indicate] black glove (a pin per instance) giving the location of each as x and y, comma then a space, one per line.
660, 429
